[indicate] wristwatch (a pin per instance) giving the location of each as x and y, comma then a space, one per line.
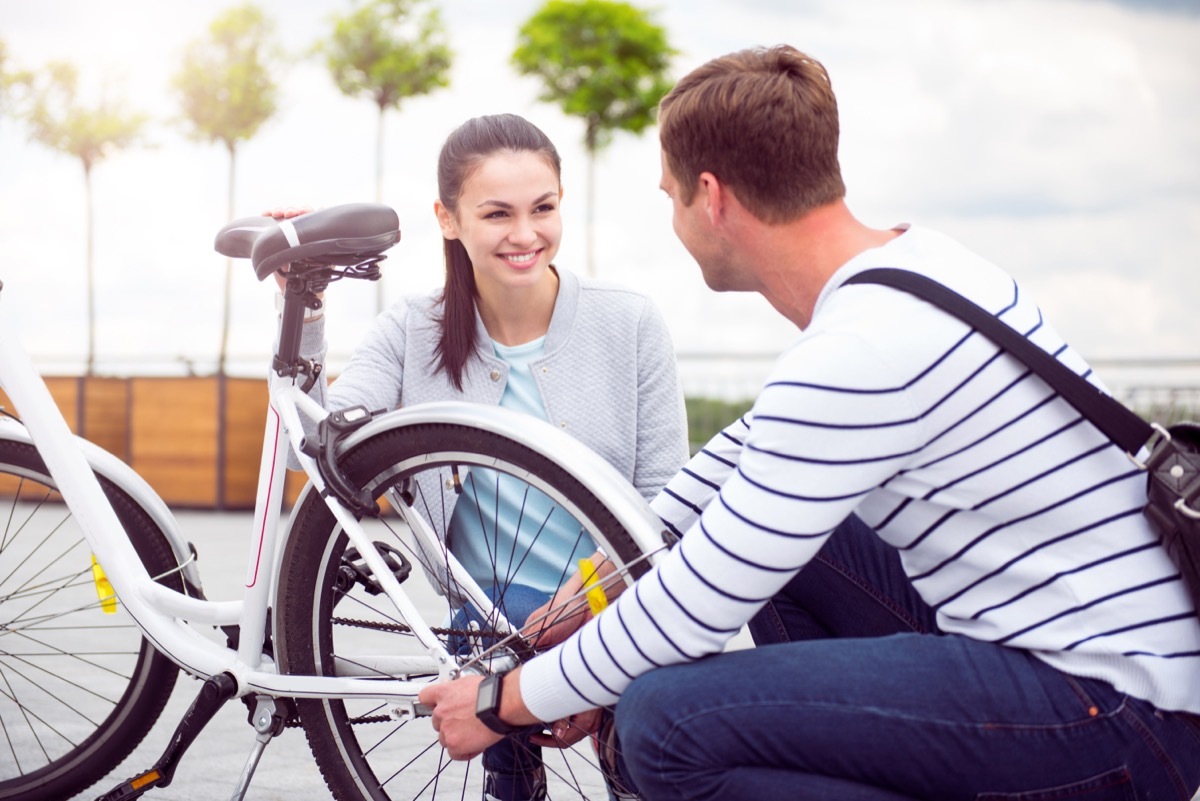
487, 705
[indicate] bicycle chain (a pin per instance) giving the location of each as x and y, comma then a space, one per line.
400, 628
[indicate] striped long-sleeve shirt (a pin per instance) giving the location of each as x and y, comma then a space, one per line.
1016, 520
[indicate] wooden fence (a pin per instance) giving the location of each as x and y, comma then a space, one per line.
196, 440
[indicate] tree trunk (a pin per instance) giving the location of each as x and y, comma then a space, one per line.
379, 156
591, 199
90, 278
379, 195
223, 354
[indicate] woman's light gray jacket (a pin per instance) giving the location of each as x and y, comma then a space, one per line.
608, 375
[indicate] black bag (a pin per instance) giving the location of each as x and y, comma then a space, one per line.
1173, 465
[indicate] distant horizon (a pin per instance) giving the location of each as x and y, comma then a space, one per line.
730, 376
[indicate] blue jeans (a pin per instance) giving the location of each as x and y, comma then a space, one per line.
514, 761
854, 694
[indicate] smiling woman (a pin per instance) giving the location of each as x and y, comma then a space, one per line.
511, 328
498, 212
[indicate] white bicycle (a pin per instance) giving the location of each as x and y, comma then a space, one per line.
348, 610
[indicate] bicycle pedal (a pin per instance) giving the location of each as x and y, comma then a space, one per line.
133, 788
217, 689
354, 569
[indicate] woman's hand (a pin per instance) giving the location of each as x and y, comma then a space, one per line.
557, 619
566, 612
284, 213
568, 731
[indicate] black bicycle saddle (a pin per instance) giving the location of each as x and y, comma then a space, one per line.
339, 235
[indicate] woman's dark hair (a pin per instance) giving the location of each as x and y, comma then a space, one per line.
464, 150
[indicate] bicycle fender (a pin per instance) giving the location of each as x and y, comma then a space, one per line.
620, 496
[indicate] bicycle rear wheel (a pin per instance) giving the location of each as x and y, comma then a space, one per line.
79, 685
330, 623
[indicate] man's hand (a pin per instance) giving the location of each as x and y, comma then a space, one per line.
461, 733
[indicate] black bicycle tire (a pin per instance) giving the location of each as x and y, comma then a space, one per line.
151, 681
302, 566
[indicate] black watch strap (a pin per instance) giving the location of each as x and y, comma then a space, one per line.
487, 705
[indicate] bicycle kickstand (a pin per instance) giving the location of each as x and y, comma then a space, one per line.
216, 691
269, 718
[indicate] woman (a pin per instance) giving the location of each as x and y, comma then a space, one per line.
509, 328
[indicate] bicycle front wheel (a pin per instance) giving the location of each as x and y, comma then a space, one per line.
79, 685
332, 621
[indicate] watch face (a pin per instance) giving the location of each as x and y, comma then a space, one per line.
489, 690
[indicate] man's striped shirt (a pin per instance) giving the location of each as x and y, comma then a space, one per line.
1017, 520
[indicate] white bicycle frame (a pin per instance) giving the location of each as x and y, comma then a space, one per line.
163, 614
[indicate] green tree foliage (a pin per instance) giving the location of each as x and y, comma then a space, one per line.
227, 91
707, 416
388, 50
13, 85
6, 79
225, 83
58, 119
601, 60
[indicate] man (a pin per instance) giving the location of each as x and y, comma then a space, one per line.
953, 589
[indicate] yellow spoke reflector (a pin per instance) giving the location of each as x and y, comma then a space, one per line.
104, 588
591, 582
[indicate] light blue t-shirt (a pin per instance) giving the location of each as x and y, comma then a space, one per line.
525, 516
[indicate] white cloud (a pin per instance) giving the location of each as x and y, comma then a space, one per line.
1057, 137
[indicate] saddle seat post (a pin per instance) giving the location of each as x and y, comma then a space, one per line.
302, 291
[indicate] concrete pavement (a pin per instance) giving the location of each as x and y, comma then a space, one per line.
210, 770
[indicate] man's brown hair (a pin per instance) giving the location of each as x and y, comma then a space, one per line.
764, 121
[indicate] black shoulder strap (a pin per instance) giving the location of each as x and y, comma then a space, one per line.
1117, 422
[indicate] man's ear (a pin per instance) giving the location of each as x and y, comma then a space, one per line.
712, 195
445, 220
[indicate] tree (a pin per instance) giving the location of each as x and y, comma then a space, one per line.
58, 119
8, 81
601, 60
388, 50
227, 92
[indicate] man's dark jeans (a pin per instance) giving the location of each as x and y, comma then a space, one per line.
854, 694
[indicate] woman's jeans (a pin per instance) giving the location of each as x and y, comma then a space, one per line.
854, 694
514, 763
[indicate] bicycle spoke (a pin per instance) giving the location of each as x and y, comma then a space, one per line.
34, 552
78, 656
416, 757
67, 664
443, 483
11, 694
69, 706
12, 748
87, 606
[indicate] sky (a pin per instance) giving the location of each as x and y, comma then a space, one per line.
1058, 138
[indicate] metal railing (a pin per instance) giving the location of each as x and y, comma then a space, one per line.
1162, 389
1165, 389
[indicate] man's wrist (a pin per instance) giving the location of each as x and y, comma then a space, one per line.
513, 709
488, 704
